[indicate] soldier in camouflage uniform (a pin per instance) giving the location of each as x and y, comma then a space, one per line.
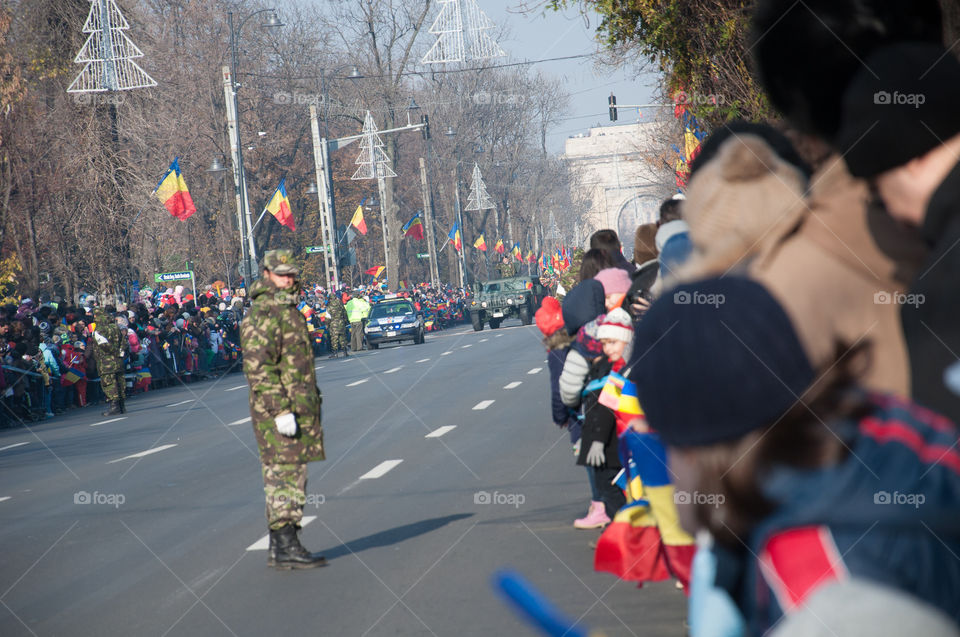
571, 276
284, 404
505, 268
337, 326
109, 352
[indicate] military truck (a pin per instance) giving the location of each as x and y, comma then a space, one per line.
499, 299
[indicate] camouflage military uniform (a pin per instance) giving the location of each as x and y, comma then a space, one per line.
337, 324
506, 270
571, 276
109, 351
278, 363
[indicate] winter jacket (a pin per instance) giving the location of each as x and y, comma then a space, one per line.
931, 310
599, 422
562, 415
582, 304
579, 358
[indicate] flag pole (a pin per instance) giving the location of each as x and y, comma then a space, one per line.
259, 219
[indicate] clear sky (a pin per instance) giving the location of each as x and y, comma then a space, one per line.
540, 34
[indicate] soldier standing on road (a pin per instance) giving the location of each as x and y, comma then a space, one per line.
505, 268
109, 355
337, 325
284, 404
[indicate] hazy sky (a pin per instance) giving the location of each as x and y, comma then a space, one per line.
546, 34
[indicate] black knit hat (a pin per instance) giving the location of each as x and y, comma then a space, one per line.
716, 359
901, 104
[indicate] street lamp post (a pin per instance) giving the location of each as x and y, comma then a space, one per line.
248, 249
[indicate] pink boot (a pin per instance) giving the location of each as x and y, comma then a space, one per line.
596, 517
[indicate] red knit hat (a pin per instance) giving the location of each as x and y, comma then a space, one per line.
549, 317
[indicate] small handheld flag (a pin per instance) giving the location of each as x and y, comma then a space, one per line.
357, 221
480, 244
414, 228
517, 253
279, 206
498, 247
172, 191
531, 257
455, 239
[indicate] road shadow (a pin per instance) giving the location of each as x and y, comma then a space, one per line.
392, 536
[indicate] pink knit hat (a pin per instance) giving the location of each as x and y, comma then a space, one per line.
614, 280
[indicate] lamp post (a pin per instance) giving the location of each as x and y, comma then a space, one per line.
248, 250
451, 133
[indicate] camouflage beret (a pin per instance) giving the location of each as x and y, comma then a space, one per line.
280, 262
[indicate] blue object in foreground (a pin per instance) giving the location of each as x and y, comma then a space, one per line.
534, 606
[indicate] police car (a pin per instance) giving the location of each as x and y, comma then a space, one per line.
392, 320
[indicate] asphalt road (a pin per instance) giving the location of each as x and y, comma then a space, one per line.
442, 467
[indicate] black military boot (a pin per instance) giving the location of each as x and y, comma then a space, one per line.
272, 550
123, 405
290, 554
114, 409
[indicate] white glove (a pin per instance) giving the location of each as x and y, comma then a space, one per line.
595, 455
286, 424
100, 338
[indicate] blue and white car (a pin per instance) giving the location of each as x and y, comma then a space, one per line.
392, 321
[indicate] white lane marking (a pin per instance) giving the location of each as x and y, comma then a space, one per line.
515, 383
4, 498
535, 370
498, 335
484, 340
380, 470
423, 360
107, 422
144, 453
235, 388
238, 422
483, 404
395, 369
264, 543
316, 369
19, 444
182, 402
439, 432
467, 345
357, 382
446, 353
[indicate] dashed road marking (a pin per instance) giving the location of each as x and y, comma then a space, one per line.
238, 422
18, 444
144, 453
380, 470
439, 432
535, 370
483, 404
107, 422
446, 353
235, 388
515, 383
316, 369
423, 360
395, 369
484, 340
264, 543
357, 382
182, 402
4, 498
467, 345
498, 335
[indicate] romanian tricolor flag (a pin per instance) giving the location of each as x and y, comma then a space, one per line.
480, 244
279, 206
172, 191
414, 228
531, 257
376, 271
455, 238
357, 221
518, 255
498, 247
645, 541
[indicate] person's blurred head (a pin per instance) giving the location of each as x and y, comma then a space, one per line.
593, 261
645, 243
615, 333
606, 240
616, 284
777, 141
806, 53
670, 210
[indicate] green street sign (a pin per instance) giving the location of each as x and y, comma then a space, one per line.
172, 276
315, 249
423, 255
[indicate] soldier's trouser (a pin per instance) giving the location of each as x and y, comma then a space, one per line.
356, 336
113, 385
285, 486
337, 340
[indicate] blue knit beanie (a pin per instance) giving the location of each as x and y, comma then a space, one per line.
716, 359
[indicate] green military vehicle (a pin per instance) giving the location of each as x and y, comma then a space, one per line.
497, 300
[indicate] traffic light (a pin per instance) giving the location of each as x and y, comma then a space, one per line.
425, 131
612, 101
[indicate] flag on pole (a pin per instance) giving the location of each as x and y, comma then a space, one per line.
498, 248
414, 228
480, 244
279, 206
455, 239
172, 192
518, 255
531, 257
357, 221
376, 271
